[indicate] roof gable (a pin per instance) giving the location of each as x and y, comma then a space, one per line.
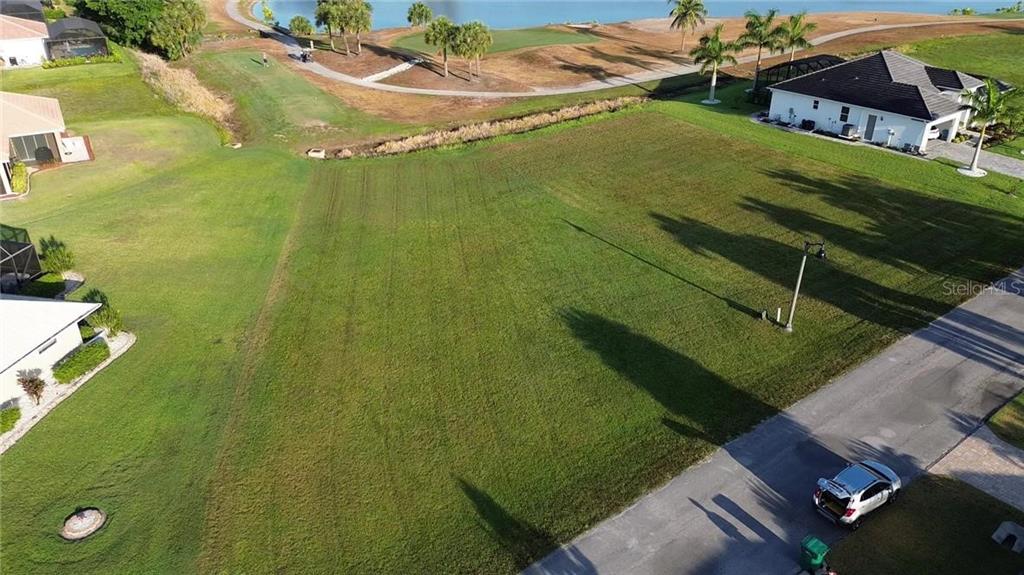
22, 115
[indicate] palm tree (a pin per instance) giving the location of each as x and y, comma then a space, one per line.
326, 15
419, 14
712, 54
794, 34
988, 106
472, 41
762, 32
360, 20
441, 33
686, 15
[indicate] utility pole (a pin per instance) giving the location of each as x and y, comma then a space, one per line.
800, 278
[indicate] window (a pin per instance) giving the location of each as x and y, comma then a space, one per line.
25, 147
844, 114
816, 104
872, 491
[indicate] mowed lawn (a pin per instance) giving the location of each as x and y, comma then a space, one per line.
476, 354
508, 40
183, 237
452, 361
960, 521
995, 55
277, 104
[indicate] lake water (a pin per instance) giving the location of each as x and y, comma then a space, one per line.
527, 13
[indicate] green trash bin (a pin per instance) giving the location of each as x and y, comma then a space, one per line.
812, 553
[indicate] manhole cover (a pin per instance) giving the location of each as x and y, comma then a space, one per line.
83, 523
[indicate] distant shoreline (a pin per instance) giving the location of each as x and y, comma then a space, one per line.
650, 22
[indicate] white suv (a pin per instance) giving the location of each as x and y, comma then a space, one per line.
856, 491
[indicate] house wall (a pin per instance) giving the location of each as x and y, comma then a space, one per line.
28, 51
906, 130
42, 359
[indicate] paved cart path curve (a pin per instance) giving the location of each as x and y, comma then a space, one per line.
746, 508
668, 71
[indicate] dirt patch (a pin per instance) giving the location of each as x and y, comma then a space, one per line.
622, 49
218, 16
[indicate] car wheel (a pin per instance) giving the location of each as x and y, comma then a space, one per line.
892, 498
855, 525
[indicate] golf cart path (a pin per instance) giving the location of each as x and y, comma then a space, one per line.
669, 71
746, 508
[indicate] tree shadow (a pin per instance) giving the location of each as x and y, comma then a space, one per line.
731, 302
711, 408
894, 217
764, 518
778, 262
521, 540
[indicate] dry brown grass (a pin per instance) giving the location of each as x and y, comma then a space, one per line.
183, 89
493, 129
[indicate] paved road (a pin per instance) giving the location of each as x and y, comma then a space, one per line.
668, 71
991, 161
746, 509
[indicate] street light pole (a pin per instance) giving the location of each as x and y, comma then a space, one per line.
800, 278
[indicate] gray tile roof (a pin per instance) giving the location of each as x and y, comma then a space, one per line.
890, 82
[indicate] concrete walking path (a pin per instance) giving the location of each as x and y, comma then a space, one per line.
989, 161
988, 463
392, 71
669, 71
746, 508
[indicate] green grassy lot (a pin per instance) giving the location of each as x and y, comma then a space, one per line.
183, 236
276, 103
509, 345
507, 40
451, 361
995, 55
957, 539
1008, 422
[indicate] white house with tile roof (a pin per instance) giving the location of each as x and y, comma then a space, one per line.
31, 130
22, 41
886, 98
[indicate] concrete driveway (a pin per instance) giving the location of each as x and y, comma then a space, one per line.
989, 161
746, 509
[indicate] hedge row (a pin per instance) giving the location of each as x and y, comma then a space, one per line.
19, 178
9, 417
81, 361
79, 60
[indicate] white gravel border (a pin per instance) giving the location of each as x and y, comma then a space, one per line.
54, 393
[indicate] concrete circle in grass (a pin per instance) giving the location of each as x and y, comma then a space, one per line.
83, 523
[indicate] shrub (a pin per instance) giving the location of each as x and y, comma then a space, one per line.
181, 88
86, 331
8, 418
79, 60
484, 130
19, 178
56, 256
32, 384
53, 13
80, 361
105, 317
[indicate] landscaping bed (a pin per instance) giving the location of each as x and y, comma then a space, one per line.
81, 361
